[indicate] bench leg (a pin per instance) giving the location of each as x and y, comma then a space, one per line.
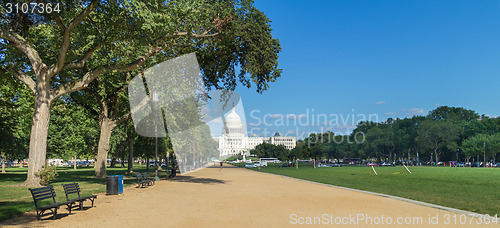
38, 215
55, 214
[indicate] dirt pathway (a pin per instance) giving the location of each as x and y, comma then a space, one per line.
234, 197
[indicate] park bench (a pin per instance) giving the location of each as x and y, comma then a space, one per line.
74, 188
44, 193
141, 181
151, 181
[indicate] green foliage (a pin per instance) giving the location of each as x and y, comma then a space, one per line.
15, 118
72, 131
438, 136
481, 144
441, 133
267, 150
453, 114
47, 174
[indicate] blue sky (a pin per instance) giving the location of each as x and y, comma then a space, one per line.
388, 58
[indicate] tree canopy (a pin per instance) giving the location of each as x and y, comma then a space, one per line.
57, 53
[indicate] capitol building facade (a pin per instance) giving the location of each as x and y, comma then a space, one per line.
234, 141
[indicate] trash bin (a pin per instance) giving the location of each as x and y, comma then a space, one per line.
120, 183
112, 185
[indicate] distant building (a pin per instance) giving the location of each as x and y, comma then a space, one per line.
234, 141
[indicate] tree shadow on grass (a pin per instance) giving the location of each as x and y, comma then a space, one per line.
11, 213
12, 177
190, 179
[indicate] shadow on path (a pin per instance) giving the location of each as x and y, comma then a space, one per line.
190, 179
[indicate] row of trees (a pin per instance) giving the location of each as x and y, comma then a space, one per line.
75, 66
446, 133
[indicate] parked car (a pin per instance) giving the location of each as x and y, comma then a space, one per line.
285, 165
335, 165
251, 165
264, 164
371, 164
82, 163
385, 164
461, 164
151, 164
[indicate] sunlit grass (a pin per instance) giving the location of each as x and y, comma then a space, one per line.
471, 189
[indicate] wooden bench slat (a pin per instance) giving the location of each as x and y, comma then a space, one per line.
44, 194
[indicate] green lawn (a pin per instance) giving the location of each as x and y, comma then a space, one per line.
471, 189
16, 200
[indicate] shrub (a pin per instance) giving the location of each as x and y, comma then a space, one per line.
47, 174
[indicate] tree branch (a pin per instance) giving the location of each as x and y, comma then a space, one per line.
26, 79
66, 38
86, 56
94, 73
25, 47
123, 118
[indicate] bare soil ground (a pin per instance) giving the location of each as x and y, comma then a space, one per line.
242, 198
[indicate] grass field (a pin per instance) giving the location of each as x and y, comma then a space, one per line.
16, 200
471, 189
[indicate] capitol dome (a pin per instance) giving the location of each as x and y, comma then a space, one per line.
232, 125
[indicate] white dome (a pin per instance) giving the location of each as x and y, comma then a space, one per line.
233, 124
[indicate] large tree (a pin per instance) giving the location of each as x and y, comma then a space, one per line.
62, 52
438, 136
486, 145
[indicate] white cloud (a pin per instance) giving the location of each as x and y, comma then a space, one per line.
380, 102
391, 113
414, 111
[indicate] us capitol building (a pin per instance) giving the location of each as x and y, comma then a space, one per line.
234, 142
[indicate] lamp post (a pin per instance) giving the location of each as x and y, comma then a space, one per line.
484, 154
155, 109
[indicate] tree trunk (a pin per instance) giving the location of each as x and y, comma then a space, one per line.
3, 162
123, 154
408, 161
38, 137
147, 164
436, 155
166, 161
130, 155
107, 126
74, 162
